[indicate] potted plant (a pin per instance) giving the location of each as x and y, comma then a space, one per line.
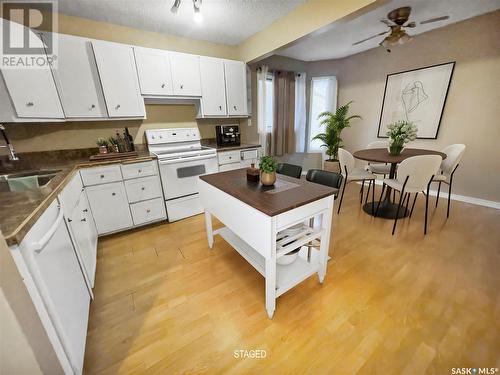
334, 124
103, 145
400, 133
267, 168
113, 145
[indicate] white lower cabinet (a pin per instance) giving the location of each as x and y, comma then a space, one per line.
110, 207
148, 211
84, 234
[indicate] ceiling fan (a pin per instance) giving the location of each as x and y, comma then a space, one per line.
397, 21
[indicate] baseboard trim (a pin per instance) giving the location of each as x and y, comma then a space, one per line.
460, 198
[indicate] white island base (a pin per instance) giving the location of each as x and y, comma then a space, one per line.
254, 235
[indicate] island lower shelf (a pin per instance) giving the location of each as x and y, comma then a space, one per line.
286, 276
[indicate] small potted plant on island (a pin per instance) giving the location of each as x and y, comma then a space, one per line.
267, 168
103, 145
334, 124
400, 133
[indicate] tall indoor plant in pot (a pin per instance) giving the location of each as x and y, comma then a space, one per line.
267, 168
334, 124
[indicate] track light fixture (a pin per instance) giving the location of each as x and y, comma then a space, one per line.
197, 16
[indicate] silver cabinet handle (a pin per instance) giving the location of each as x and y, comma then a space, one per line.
182, 87
30, 104
148, 210
70, 220
220, 107
118, 106
162, 85
143, 188
235, 107
92, 106
83, 219
86, 210
139, 170
113, 194
102, 176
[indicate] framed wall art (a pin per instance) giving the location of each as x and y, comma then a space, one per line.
417, 95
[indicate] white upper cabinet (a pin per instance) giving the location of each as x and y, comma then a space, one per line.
118, 75
236, 88
77, 79
32, 90
153, 68
212, 86
185, 74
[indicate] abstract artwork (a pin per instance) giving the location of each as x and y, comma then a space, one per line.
417, 95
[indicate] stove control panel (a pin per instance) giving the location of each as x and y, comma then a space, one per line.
174, 135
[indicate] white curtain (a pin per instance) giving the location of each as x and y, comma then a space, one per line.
323, 97
261, 108
300, 112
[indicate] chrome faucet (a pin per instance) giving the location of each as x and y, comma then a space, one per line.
8, 146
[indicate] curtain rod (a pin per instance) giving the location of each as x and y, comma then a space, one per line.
259, 69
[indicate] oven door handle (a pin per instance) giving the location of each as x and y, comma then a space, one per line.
189, 158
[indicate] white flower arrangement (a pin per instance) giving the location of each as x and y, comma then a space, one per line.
401, 132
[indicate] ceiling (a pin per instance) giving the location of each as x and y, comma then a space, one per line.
224, 21
336, 41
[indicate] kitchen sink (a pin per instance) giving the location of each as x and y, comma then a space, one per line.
29, 180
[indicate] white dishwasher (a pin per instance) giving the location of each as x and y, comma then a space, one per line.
49, 255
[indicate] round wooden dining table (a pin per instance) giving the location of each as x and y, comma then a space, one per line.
388, 208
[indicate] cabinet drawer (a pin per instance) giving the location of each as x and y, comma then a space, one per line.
229, 157
135, 170
141, 189
249, 154
101, 175
144, 212
230, 167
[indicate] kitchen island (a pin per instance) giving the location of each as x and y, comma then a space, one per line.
256, 217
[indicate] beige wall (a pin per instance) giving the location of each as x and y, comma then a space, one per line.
122, 34
72, 135
472, 112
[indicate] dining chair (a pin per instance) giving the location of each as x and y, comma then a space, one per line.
448, 167
415, 174
290, 170
382, 169
351, 174
326, 178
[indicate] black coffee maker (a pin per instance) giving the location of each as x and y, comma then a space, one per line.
227, 135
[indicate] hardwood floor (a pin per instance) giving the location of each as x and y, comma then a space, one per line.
404, 304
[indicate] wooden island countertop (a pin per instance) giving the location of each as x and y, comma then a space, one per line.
286, 194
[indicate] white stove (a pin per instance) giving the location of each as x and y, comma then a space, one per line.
182, 159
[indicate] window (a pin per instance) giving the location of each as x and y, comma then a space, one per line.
269, 104
323, 98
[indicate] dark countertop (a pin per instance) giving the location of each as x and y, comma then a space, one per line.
210, 142
20, 210
287, 194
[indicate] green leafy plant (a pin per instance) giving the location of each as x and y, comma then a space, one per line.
402, 132
102, 142
334, 124
267, 164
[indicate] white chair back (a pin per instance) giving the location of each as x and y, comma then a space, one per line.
346, 161
454, 154
378, 144
420, 169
